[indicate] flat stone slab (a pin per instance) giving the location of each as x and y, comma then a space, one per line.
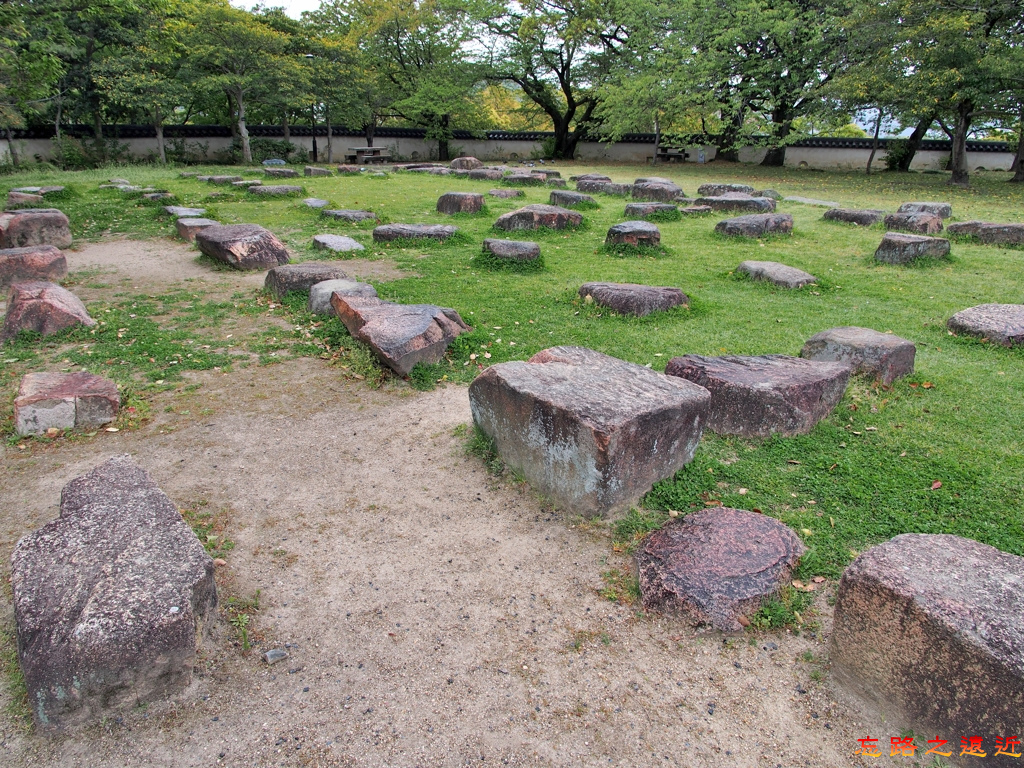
274, 161
36, 262
223, 179
315, 202
242, 246
110, 599
942, 210
275, 190
922, 223
312, 170
247, 183
524, 180
299, 278
590, 177
349, 170
882, 356
43, 307
863, 217
999, 323
22, 200
924, 613
486, 174
810, 201
512, 250
506, 194
183, 212
44, 191
641, 234
591, 432
990, 233
695, 210
716, 566
64, 401
539, 216
336, 243
401, 335
645, 210
460, 202
897, 248
716, 190
157, 196
466, 164
187, 228
320, 294
388, 232
762, 395
604, 188
633, 299
736, 202
351, 216
756, 225
556, 182
780, 274
663, 191
567, 199
281, 173
34, 226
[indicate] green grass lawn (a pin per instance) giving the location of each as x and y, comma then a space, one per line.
863, 475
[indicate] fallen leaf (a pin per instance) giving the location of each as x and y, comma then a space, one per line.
927, 385
52, 432
806, 531
792, 461
113, 429
818, 579
913, 385
743, 491
743, 620
903, 454
870, 429
936, 485
798, 584
673, 513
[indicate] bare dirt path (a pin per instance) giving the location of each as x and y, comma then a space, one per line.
434, 615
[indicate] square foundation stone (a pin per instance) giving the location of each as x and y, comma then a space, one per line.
64, 401
882, 356
592, 432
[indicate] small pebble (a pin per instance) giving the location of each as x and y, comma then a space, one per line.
275, 655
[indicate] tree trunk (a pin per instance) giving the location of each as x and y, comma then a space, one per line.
243, 132
287, 129
159, 125
97, 132
782, 119
368, 129
1018, 160
726, 142
11, 147
232, 119
874, 141
657, 140
958, 157
443, 150
775, 157
914, 141
330, 143
60, 109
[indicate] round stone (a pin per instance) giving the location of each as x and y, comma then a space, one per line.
716, 566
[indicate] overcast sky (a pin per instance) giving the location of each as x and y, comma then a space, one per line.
292, 7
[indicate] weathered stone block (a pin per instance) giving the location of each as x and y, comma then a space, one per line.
655, 210
861, 217
37, 262
460, 202
275, 190
756, 225
716, 566
737, 202
990, 233
22, 200
633, 299
640, 234
187, 228
466, 164
717, 190
592, 432
43, 307
64, 401
1001, 323
604, 187
762, 395
223, 179
110, 599
523, 180
320, 294
388, 232
486, 174
281, 173
315, 202
312, 170
922, 223
538, 216
336, 243
242, 246
34, 226
401, 335
512, 250
780, 274
567, 199
882, 356
942, 210
506, 194
348, 170
658, 191
353, 217
897, 248
179, 211
301, 277
927, 634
